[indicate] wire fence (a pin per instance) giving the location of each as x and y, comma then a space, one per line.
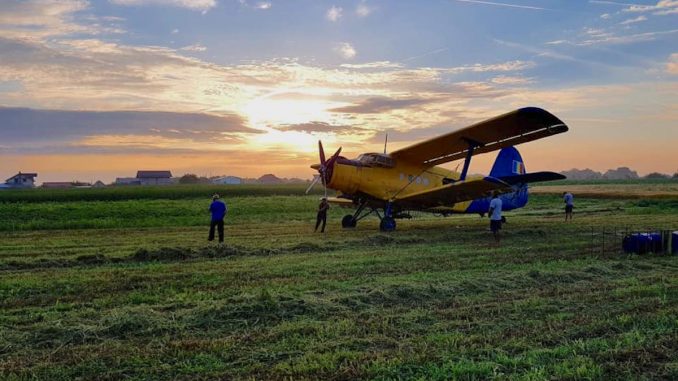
657, 241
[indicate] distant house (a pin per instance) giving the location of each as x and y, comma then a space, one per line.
270, 179
21, 180
154, 177
57, 185
227, 180
127, 181
98, 184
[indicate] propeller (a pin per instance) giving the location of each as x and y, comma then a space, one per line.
325, 168
316, 178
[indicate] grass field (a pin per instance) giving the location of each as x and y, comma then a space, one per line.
123, 285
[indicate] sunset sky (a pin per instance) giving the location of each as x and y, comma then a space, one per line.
99, 89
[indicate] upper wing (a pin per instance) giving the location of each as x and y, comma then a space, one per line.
519, 126
450, 194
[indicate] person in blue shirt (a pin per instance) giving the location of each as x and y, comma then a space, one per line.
218, 210
495, 216
568, 198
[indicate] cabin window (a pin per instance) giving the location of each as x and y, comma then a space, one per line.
426, 182
402, 176
376, 160
418, 180
410, 178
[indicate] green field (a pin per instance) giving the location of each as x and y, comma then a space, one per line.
121, 284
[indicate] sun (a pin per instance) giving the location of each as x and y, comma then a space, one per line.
281, 109
296, 141
288, 107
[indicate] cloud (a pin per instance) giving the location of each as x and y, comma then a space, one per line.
611, 39
38, 19
663, 7
373, 65
363, 10
345, 50
597, 36
381, 105
31, 129
194, 48
334, 13
197, 5
263, 5
175, 31
65, 72
511, 80
323, 127
672, 64
516, 65
633, 21
501, 4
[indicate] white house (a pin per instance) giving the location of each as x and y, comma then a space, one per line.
227, 180
21, 180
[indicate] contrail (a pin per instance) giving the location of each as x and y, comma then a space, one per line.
503, 4
427, 54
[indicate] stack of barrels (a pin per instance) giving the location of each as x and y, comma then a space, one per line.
662, 242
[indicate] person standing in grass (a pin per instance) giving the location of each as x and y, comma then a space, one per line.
495, 216
323, 207
218, 210
568, 198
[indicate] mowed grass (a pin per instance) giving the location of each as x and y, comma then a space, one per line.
129, 289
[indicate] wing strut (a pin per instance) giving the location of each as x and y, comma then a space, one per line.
472, 144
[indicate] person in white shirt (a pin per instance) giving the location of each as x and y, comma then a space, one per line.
495, 216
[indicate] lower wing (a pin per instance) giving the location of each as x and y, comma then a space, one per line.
450, 194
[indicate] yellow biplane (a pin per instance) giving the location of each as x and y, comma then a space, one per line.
410, 179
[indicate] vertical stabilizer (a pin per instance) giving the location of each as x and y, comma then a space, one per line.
508, 163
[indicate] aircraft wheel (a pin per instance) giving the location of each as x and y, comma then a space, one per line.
348, 221
388, 224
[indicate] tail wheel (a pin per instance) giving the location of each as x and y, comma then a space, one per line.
388, 224
348, 221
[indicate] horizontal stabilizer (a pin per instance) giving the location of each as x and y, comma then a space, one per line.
532, 178
450, 194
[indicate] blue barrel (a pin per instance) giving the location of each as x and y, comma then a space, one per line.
642, 243
657, 242
674, 245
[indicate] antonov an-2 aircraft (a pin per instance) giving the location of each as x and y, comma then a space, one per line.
410, 179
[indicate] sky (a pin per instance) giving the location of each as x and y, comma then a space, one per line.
99, 89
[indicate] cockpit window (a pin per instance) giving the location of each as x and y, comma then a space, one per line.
376, 160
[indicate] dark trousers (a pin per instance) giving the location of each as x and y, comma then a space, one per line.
322, 217
220, 227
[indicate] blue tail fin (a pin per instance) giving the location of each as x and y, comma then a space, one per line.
508, 163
